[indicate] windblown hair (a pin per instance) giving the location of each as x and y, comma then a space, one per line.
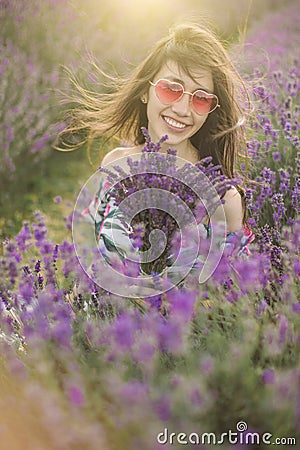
121, 113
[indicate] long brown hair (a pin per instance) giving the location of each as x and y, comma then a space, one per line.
121, 113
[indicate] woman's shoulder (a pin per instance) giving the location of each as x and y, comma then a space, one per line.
232, 209
119, 153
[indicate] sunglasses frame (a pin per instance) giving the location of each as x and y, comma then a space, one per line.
185, 92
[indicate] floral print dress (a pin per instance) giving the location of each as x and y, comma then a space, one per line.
113, 232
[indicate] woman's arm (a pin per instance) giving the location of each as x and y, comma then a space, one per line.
233, 210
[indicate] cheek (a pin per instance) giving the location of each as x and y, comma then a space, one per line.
200, 121
153, 109
153, 104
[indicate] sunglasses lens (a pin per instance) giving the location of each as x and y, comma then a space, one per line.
204, 102
168, 92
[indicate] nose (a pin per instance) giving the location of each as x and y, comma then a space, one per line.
183, 106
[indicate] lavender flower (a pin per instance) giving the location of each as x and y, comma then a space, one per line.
146, 183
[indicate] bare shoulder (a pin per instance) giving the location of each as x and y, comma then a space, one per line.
113, 155
233, 210
232, 195
119, 153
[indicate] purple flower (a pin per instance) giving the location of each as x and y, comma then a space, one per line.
123, 331
76, 396
182, 303
145, 352
296, 307
163, 408
134, 392
12, 252
262, 306
207, 365
170, 335
196, 398
57, 199
268, 376
297, 268
37, 267
276, 156
155, 301
39, 231
283, 329
46, 247
24, 237
26, 290
62, 333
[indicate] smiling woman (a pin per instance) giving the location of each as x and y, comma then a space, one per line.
187, 90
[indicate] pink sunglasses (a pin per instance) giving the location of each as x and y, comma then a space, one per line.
169, 92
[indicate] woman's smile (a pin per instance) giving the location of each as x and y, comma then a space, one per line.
175, 124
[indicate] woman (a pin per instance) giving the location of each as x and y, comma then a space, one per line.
188, 89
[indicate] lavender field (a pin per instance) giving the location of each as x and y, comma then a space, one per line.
82, 368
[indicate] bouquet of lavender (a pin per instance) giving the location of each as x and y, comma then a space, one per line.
161, 195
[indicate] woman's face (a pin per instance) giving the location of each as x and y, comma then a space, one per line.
178, 120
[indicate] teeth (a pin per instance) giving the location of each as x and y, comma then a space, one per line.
173, 123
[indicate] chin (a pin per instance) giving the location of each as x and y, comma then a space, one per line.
172, 140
